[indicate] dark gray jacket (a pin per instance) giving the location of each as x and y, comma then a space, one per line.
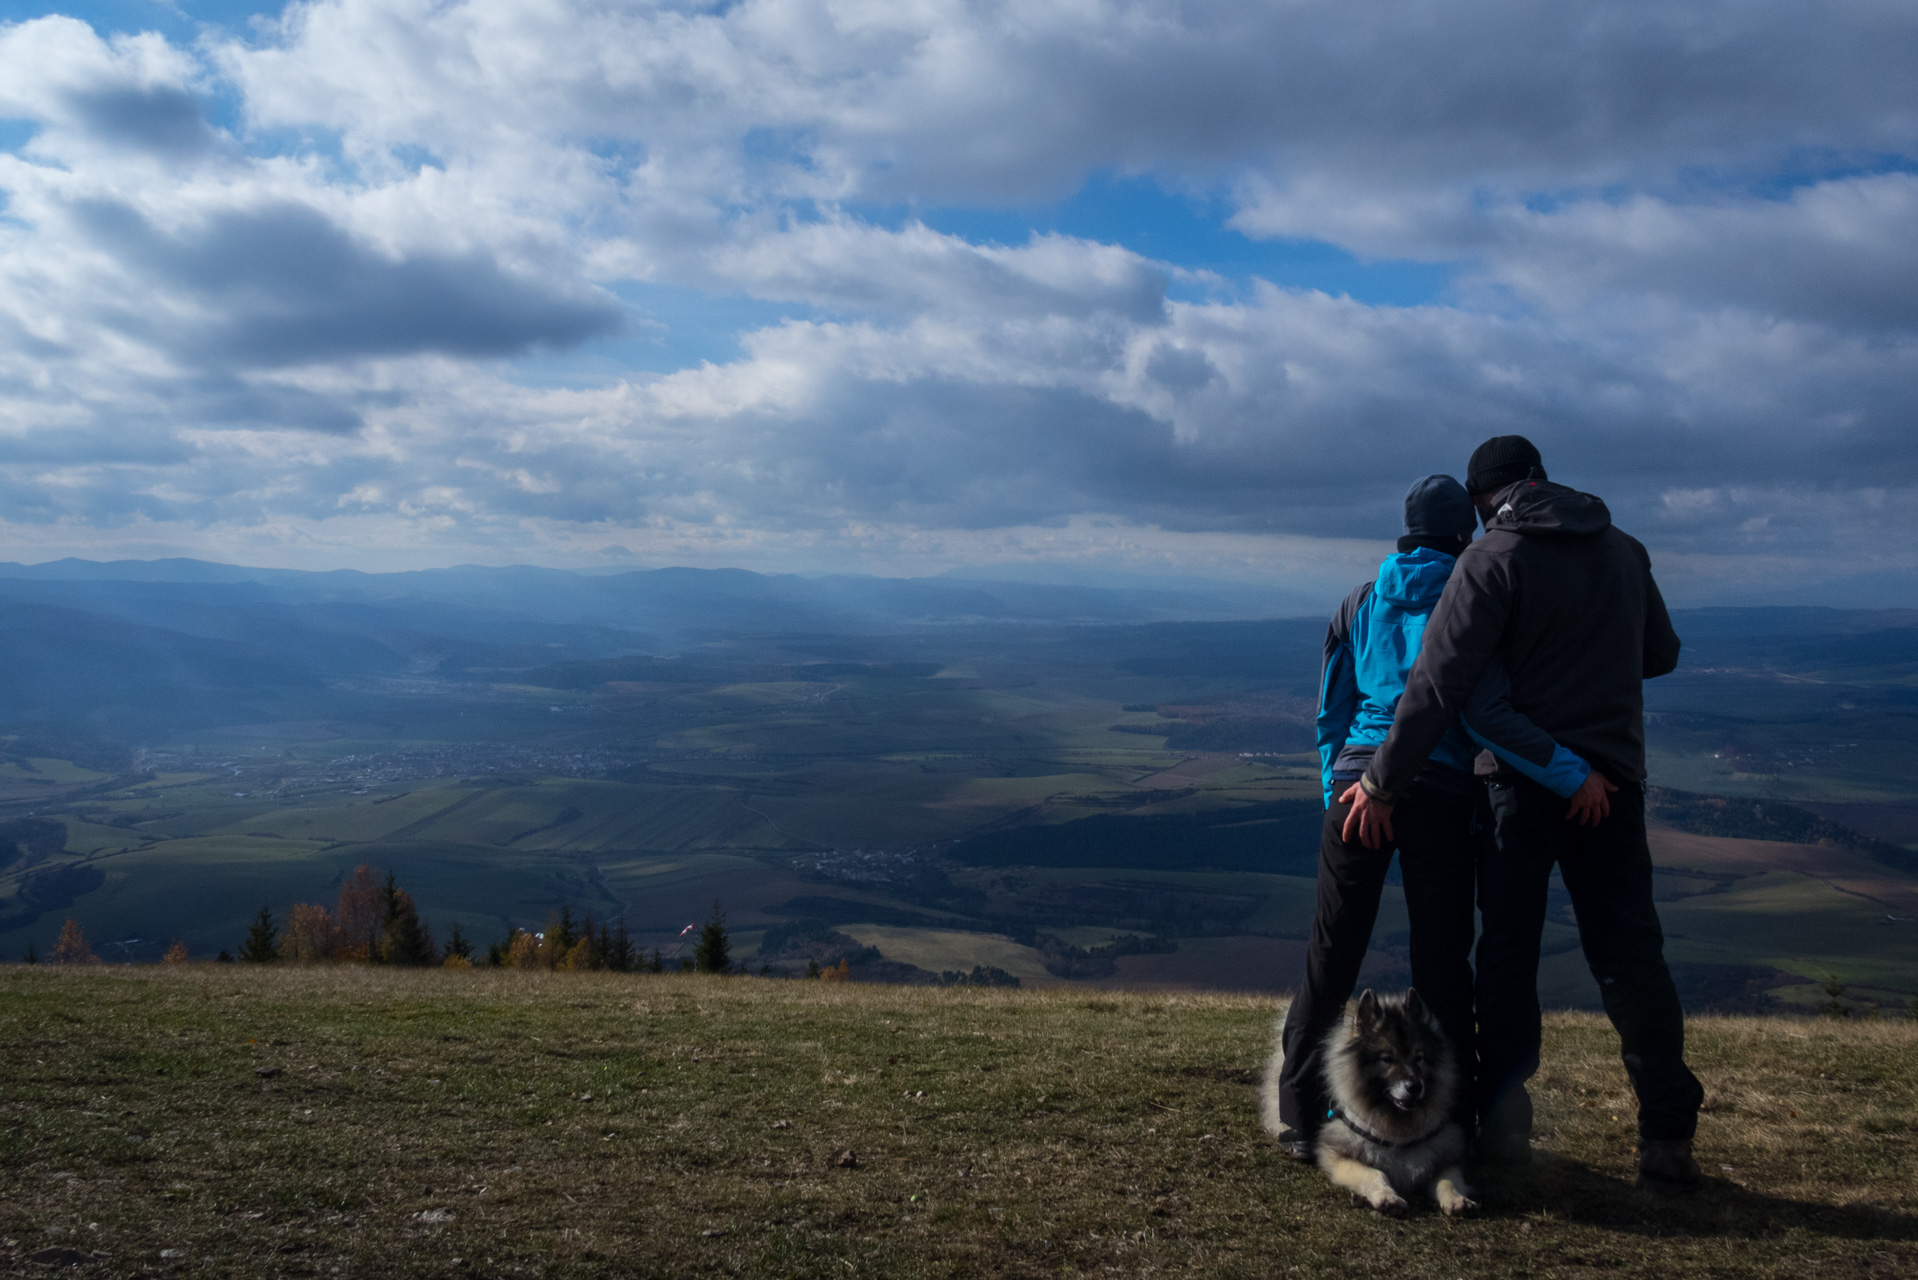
1567, 602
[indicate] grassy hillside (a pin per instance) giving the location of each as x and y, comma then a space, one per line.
211, 1121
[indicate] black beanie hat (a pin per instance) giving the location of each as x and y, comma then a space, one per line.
1503, 460
1438, 507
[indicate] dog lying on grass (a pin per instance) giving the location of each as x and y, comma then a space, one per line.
1391, 1078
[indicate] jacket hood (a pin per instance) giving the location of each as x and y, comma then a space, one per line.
1414, 580
1540, 508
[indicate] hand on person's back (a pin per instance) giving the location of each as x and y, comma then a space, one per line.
1592, 802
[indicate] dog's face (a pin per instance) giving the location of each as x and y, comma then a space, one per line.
1395, 1048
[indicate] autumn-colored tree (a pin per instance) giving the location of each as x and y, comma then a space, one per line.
360, 914
590, 934
841, 972
262, 944
175, 954
560, 937
453, 961
578, 959
311, 935
524, 953
73, 947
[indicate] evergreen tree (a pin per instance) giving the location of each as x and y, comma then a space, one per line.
812, 967
500, 954
457, 945
262, 945
714, 952
32, 956
560, 934
619, 950
602, 940
404, 939
658, 963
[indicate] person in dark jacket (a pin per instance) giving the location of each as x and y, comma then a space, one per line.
1566, 602
1369, 647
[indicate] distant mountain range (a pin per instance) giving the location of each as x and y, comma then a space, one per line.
132, 648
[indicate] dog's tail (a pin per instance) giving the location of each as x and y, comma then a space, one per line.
1269, 1082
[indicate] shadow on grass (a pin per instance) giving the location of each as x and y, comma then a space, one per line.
1576, 1192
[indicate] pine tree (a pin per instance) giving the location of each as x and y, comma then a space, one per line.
262, 945
658, 962
457, 945
619, 950
499, 954
404, 940
714, 952
560, 935
32, 956
812, 967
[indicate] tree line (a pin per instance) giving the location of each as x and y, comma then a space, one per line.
375, 921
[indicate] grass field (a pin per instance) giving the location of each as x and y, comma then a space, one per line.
217, 1121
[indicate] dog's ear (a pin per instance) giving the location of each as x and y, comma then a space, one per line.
1415, 1006
1368, 1015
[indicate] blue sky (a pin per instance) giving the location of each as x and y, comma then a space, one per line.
1035, 289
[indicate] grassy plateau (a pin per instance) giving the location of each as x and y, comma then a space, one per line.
211, 1120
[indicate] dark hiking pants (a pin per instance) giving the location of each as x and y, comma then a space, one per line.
1436, 855
1607, 870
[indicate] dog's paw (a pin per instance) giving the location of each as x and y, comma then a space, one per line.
1390, 1205
1456, 1205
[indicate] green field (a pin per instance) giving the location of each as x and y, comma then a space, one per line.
212, 1121
793, 786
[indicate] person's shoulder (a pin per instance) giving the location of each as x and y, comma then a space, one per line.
1489, 548
1350, 606
1626, 543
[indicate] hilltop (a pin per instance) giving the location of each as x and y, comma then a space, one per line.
207, 1120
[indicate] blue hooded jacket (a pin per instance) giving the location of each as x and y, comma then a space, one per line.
1370, 647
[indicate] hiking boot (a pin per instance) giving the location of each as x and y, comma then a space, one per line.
1299, 1146
1667, 1165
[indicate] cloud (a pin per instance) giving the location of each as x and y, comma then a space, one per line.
289, 279
282, 284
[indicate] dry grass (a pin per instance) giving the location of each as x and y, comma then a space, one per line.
439, 1124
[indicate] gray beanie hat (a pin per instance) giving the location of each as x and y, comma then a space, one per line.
1438, 507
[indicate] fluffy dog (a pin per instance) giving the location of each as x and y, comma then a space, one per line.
1391, 1078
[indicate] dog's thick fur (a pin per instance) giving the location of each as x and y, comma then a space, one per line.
1392, 1077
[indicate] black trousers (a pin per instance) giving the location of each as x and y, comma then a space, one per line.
1436, 858
1607, 869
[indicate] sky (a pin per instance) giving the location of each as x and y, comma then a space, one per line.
1065, 289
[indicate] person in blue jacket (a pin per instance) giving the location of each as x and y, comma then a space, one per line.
1370, 646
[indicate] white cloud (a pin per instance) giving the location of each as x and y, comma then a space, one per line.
270, 286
